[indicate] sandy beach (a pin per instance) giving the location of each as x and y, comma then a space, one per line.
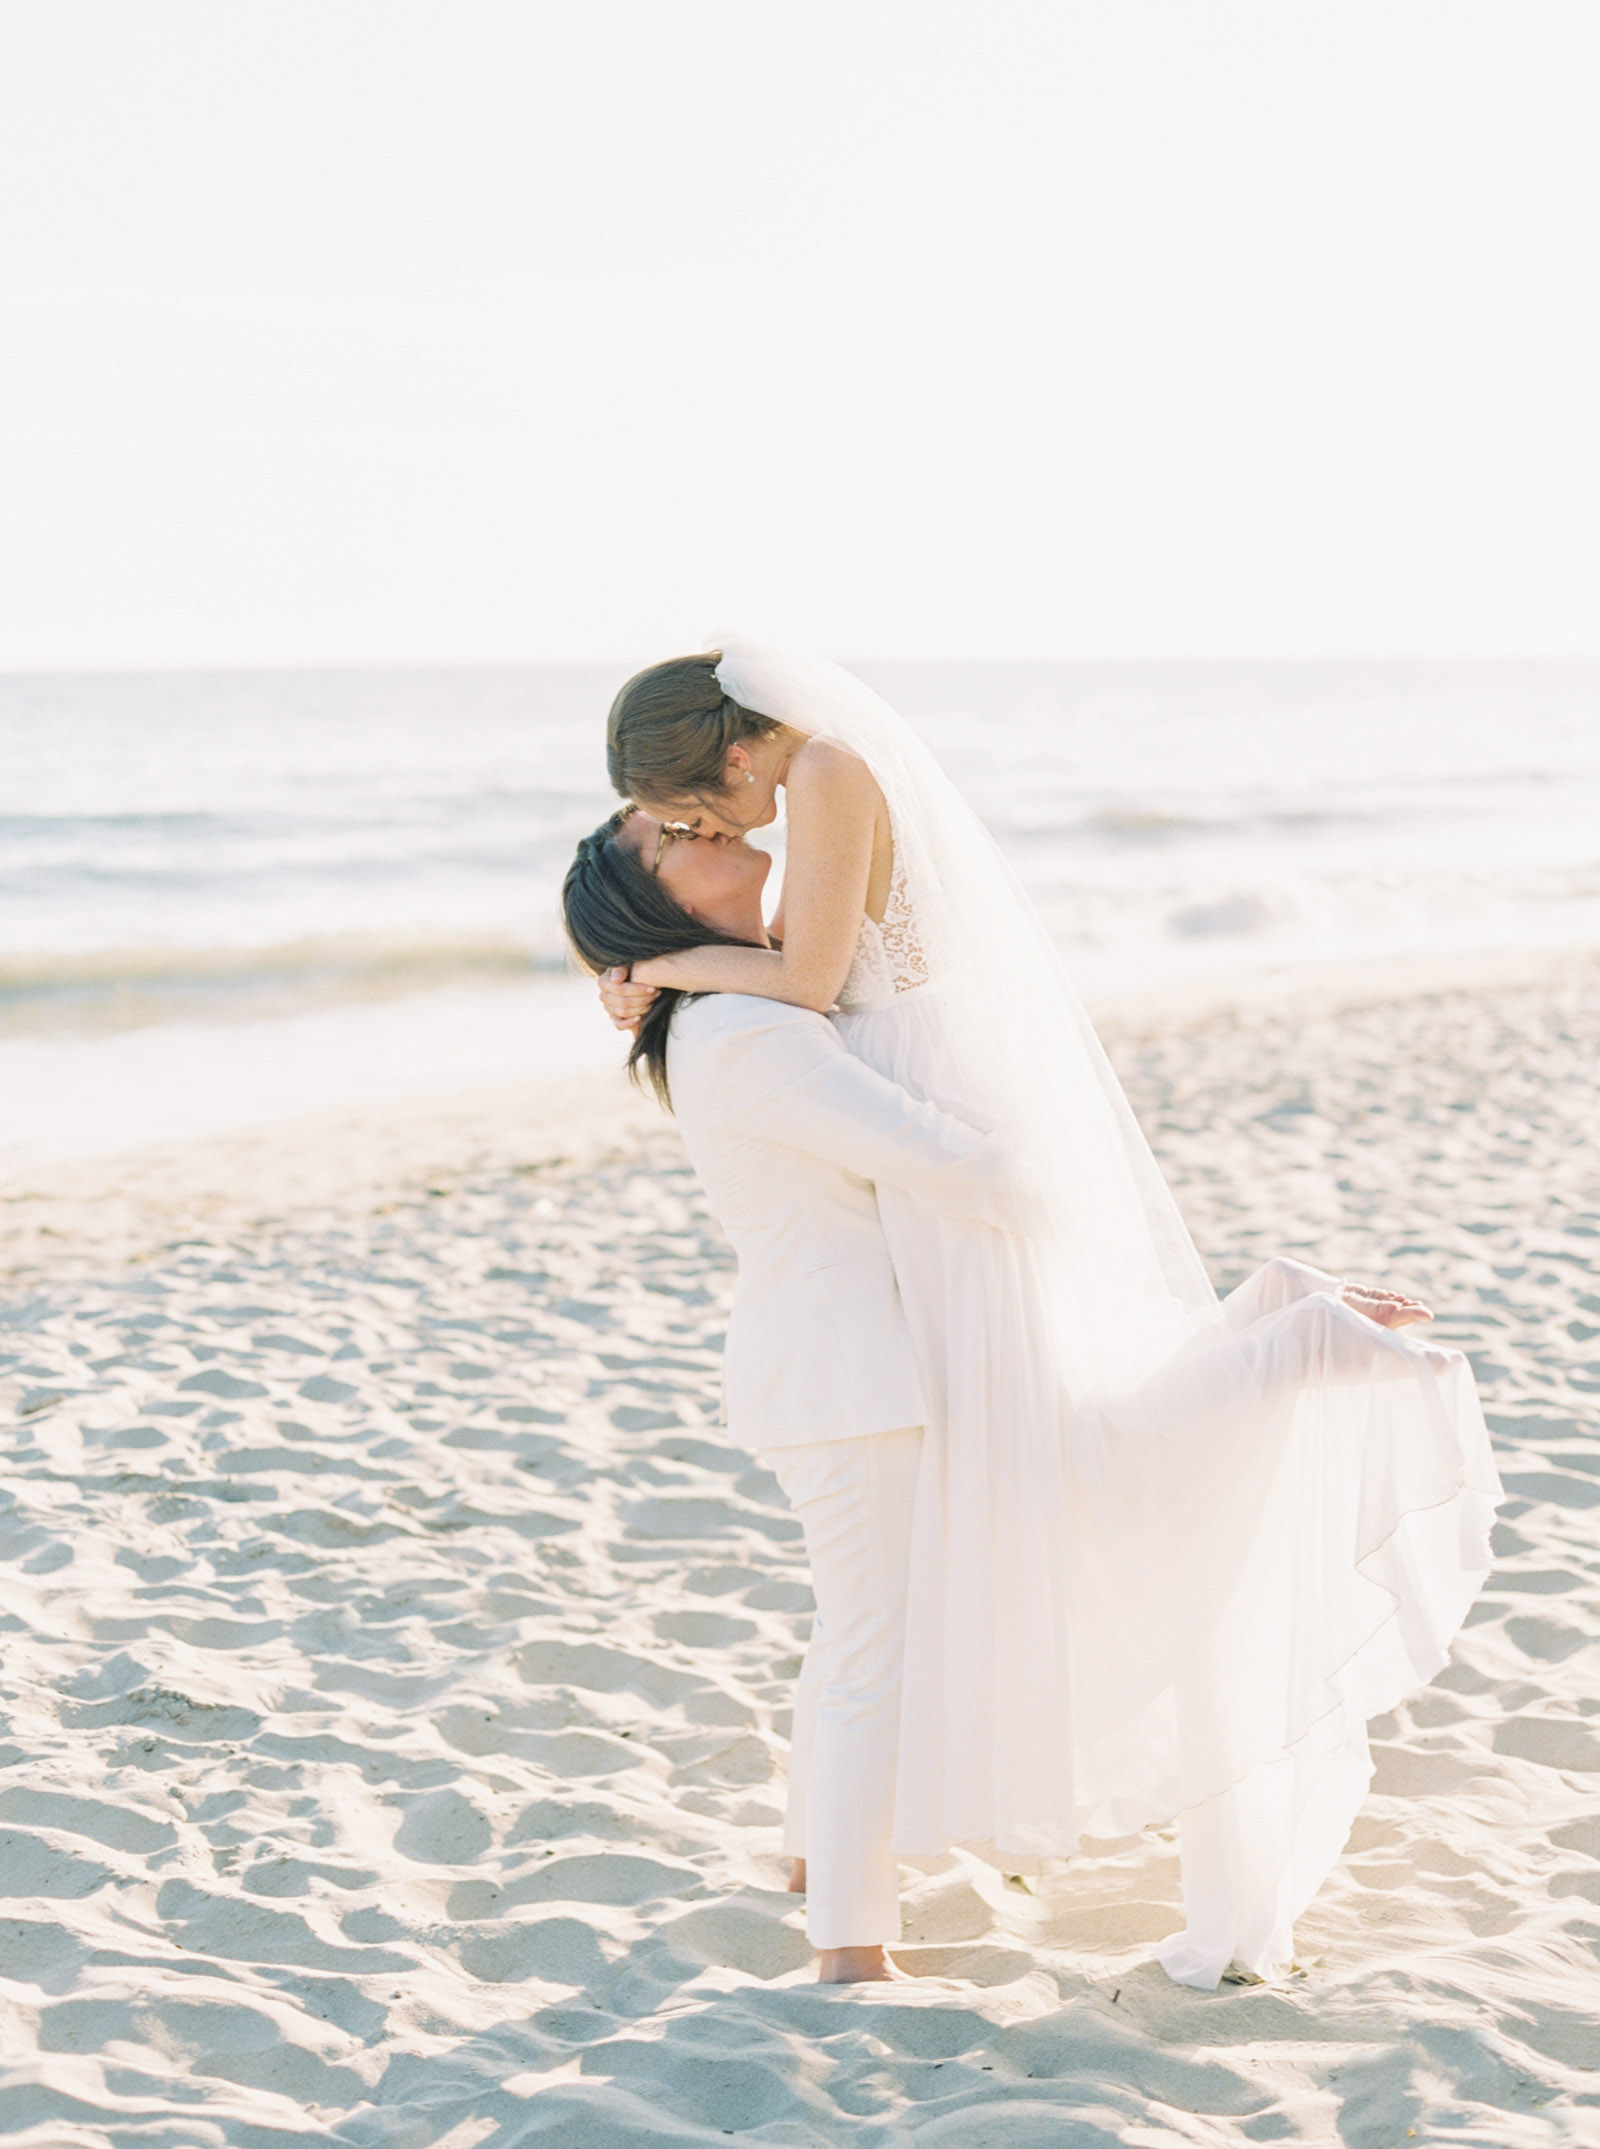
398, 1658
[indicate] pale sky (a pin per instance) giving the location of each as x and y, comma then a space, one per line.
397, 331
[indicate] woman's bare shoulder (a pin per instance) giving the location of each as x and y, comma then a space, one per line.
824, 769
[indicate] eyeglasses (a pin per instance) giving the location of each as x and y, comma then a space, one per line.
671, 832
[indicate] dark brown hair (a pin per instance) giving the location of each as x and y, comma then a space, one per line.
618, 913
670, 728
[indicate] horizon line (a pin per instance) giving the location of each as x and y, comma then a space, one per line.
290, 666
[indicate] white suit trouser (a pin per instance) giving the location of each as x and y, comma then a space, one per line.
854, 1499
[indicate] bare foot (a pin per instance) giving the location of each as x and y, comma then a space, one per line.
1390, 1309
797, 1877
856, 1966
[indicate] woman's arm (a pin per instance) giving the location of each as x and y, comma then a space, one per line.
833, 811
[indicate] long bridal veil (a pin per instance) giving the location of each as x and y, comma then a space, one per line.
1169, 1555
1126, 1284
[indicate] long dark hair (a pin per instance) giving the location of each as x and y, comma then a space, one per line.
616, 912
670, 728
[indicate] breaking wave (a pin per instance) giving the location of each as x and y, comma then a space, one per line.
125, 988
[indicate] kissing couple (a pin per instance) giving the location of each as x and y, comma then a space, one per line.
1092, 1549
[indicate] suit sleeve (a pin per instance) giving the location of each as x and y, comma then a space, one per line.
792, 1081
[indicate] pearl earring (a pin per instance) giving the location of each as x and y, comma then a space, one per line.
749, 775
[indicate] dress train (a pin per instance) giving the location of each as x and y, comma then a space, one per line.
1186, 1604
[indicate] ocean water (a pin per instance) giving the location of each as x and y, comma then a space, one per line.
225, 898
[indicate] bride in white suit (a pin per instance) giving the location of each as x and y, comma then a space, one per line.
1168, 1556
791, 1135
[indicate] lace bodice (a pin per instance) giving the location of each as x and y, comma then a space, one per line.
889, 957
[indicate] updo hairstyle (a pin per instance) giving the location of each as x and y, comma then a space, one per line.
669, 731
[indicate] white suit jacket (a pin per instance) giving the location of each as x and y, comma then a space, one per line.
788, 1132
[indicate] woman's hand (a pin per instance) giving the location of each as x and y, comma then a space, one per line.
625, 1002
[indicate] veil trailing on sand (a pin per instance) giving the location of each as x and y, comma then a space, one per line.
1124, 1284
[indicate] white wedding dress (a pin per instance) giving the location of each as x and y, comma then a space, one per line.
1169, 1555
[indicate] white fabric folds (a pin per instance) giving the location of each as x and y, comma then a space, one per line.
1168, 1555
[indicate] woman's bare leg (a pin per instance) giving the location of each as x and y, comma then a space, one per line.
797, 1876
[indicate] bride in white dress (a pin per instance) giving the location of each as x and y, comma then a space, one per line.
1169, 1554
